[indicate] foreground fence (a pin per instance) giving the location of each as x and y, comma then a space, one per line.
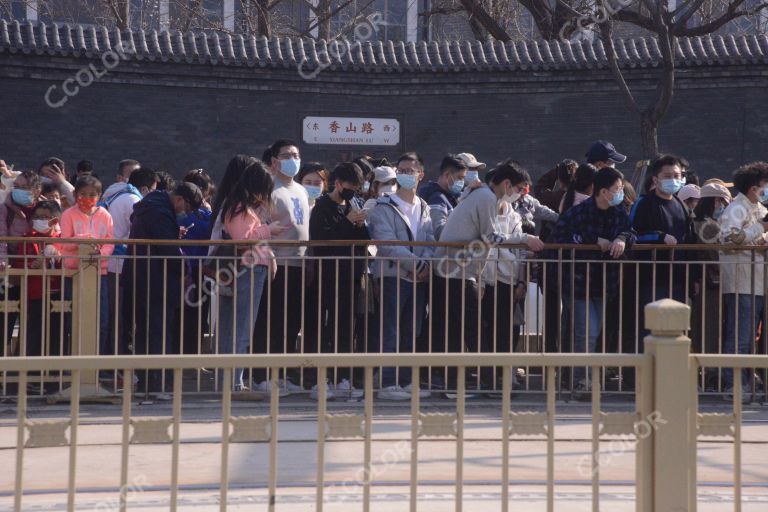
374, 297
664, 425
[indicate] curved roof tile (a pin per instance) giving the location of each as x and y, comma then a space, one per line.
37, 38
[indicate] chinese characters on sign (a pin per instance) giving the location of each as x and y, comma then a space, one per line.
351, 131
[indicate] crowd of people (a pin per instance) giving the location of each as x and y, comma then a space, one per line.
156, 298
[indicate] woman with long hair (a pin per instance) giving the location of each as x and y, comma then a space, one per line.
580, 188
241, 212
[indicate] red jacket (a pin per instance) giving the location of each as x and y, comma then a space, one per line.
33, 250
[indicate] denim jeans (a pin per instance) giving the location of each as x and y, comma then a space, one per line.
585, 341
409, 307
747, 327
238, 313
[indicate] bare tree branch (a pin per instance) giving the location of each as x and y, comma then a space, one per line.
606, 30
476, 10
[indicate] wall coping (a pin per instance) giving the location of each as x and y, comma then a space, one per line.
218, 49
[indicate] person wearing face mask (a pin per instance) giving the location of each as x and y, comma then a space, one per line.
87, 220
335, 217
277, 320
402, 273
156, 283
314, 178
743, 223
458, 272
532, 212
384, 184
15, 221
589, 287
442, 194
45, 222
714, 199
660, 217
472, 178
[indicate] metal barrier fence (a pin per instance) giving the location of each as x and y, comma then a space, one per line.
373, 297
665, 423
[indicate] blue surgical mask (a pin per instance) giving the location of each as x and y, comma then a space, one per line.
313, 191
617, 198
290, 167
718, 213
763, 195
22, 197
670, 186
407, 181
366, 187
471, 177
457, 187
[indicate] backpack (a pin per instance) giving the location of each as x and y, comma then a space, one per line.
129, 189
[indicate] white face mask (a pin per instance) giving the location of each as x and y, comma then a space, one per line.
41, 225
511, 198
387, 189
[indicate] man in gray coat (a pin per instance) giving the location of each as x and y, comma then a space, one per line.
403, 271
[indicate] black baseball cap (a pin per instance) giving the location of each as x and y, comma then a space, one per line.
602, 151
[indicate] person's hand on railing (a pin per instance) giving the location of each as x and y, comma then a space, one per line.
670, 240
275, 228
534, 243
616, 248
604, 244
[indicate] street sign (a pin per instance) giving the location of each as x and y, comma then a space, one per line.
351, 131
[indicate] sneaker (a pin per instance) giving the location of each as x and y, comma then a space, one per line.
265, 387
393, 393
347, 390
289, 386
314, 394
423, 393
162, 397
241, 388
582, 391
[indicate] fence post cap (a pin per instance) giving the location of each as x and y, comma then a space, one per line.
667, 316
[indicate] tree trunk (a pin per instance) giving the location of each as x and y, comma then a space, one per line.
263, 19
649, 134
323, 14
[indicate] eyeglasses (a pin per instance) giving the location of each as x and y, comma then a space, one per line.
283, 156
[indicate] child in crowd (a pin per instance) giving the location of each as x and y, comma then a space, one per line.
87, 220
37, 255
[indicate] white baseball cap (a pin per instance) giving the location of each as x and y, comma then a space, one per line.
384, 174
689, 191
470, 161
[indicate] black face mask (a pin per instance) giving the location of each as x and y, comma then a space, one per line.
347, 194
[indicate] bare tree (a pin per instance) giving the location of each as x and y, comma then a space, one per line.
561, 18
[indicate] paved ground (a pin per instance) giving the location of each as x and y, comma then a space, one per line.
45, 469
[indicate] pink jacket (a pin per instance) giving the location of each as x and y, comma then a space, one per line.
248, 226
76, 224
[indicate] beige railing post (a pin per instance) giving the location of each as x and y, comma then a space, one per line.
668, 321
85, 325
